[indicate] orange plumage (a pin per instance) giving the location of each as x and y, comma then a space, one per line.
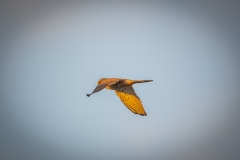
124, 90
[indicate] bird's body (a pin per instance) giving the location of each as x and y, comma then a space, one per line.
124, 90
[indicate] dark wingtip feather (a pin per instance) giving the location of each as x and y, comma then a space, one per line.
141, 114
88, 95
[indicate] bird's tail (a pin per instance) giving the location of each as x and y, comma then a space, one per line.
140, 81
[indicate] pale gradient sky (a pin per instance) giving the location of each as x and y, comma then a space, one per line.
59, 53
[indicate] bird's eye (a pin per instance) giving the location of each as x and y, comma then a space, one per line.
100, 80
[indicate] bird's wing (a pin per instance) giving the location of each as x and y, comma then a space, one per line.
113, 81
98, 88
105, 83
115, 85
131, 100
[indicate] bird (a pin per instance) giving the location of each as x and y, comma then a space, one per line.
124, 90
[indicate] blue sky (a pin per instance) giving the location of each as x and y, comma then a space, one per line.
61, 54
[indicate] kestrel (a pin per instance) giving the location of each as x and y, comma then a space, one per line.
124, 90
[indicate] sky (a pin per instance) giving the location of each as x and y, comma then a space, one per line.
54, 53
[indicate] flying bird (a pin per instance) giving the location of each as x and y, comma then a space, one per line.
124, 90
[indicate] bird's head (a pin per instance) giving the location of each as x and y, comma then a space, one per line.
101, 80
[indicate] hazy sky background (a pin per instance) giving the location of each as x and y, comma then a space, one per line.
54, 53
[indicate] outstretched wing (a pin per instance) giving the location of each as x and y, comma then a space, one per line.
104, 83
131, 100
98, 88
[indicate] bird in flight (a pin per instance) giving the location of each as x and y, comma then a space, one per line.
124, 90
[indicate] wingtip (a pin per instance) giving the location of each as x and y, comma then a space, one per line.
144, 114
88, 95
